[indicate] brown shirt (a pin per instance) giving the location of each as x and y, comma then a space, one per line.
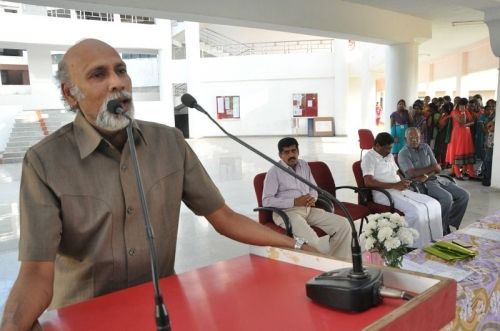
80, 207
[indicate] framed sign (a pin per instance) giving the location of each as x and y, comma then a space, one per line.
228, 107
305, 104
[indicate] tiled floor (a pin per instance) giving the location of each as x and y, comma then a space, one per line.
232, 167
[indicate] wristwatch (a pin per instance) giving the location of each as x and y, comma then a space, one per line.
299, 242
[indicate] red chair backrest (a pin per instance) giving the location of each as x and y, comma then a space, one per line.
323, 176
366, 139
258, 184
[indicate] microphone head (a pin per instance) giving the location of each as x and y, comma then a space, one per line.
114, 106
188, 100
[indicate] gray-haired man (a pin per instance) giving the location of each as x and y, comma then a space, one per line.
417, 161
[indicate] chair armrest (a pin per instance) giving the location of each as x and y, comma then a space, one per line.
324, 203
383, 191
282, 214
358, 190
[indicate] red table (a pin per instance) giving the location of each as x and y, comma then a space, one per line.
245, 293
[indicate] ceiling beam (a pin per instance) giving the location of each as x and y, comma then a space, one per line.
328, 18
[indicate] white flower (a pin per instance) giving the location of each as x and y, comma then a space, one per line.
406, 236
397, 220
371, 225
384, 222
367, 233
373, 217
385, 233
369, 243
392, 243
386, 215
414, 233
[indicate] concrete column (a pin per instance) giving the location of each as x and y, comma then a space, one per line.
492, 19
44, 90
165, 67
192, 37
401, 68
340, 86
368, 98
495, 166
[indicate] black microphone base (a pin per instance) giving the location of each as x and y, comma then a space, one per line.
338, 290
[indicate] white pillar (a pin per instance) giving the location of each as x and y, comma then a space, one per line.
401, 68
192, 37
368, 98
495, 165
165, 66
340, 86
492, 19
44, 91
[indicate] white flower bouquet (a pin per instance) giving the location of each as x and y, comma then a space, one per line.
389, 235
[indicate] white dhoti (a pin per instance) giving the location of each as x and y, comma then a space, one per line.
422, 213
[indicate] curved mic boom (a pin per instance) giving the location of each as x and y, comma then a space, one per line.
357, 272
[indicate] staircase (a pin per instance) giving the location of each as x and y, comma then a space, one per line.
29, 128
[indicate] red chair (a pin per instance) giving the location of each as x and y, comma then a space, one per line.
324, 179
366, 199
265, 214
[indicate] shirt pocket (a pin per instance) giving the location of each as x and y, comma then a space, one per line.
86, 227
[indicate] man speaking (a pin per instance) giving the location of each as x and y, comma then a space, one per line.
82, 232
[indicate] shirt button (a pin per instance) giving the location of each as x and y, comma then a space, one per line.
124, 167
130, 210
131, 251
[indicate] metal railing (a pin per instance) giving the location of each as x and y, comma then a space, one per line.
219, 45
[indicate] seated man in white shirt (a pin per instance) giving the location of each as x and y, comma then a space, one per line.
422, 212
298, 201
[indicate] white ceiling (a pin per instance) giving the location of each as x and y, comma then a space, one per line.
446, 38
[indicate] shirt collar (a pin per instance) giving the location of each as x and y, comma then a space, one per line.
380, 157
88, 138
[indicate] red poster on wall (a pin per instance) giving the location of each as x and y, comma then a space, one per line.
228, 107
305, 104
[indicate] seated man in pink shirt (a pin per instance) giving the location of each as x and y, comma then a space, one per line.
298, 201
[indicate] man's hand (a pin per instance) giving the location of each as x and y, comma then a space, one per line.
308, 248
304, 201
421, 179
402, 185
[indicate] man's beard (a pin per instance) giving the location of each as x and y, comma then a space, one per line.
114, 122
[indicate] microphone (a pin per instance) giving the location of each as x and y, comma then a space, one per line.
161, 315
393, 293
114, 107
355, 289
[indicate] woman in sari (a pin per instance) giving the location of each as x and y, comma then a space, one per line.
400, 120
444, 134
461, 151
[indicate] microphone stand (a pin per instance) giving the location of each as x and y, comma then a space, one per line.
353, 289
161, 315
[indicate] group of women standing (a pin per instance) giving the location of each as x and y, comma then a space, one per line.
456, 132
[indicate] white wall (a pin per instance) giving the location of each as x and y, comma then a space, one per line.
265, 106
265, 85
